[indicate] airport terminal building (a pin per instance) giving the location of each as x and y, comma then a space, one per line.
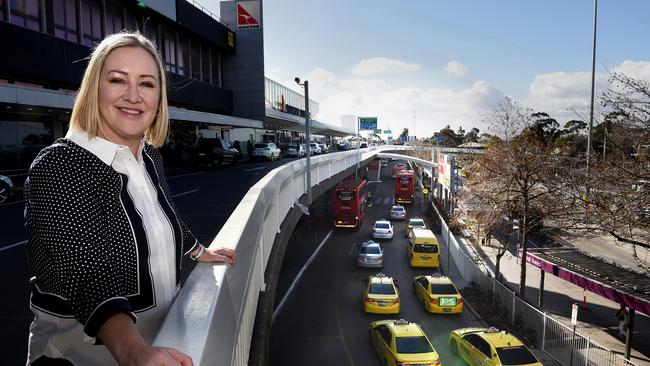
215, 68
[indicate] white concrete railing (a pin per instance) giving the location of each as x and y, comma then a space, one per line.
213, 316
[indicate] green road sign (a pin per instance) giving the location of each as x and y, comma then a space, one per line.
388, 132
378, 130
367, 123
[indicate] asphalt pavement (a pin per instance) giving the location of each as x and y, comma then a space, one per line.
322, 322
204, 198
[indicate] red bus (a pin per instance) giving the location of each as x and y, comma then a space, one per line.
404, 186
397, 168
350, 203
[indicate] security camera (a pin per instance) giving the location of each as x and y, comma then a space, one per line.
297, 80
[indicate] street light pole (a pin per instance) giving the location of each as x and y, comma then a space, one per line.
307, 138
591, 113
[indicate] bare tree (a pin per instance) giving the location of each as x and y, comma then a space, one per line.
517, 175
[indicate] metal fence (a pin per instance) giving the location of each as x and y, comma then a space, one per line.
541, 329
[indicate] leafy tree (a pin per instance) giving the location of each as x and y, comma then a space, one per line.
472, 135
544, 128
405, 133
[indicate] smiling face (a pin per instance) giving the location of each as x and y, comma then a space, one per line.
129, 94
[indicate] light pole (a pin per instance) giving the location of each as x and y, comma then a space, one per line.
307, 138
591, 113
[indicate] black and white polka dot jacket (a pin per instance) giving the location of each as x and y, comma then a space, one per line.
87, 246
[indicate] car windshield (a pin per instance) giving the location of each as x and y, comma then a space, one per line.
412, 345
382, 289
397, 209
382, 225
373, 249
295, 147
425, 248
516, 355
261, 146
443, 289
416, 223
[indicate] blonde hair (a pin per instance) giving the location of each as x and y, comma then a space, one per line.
85, 113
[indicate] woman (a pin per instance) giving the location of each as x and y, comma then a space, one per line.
105, 242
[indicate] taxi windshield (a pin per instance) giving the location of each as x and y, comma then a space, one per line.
443, 289
382, 289
425, 248
382, 225
416, 223
412, 345
517, 355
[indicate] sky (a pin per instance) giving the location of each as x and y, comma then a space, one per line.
425, 64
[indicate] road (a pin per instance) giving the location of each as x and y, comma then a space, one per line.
205, 200
322, 322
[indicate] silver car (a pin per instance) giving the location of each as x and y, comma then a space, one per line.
383, 229
370, 255
397, 212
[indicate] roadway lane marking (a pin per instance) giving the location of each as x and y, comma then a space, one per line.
13, 245
338, 323
184, 175
184, 193
295, 281
258, 168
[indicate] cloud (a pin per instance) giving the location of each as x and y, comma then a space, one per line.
395, 106
378, 65
455, 69
559, 93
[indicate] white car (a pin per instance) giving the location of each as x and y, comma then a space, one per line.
398, 212
315, 149
294, 150
266, 151
383, 229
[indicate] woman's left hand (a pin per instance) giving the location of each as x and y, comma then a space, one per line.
219, 255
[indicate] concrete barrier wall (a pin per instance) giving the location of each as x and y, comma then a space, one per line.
212, 318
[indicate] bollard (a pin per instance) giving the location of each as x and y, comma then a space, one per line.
585, 305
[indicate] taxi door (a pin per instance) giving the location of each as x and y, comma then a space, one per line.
473, 351
381, 339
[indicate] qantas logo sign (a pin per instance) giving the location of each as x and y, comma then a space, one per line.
248, 15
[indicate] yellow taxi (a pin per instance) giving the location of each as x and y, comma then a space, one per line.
422, 249
402, 343
490, 347
438, 294
414, 223
381, 295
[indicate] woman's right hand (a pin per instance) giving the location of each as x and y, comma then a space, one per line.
127, 346
145, 355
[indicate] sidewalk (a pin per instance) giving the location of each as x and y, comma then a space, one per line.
596, 321
452, 272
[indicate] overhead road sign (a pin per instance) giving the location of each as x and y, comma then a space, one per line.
388, 132
378, 130
367, 123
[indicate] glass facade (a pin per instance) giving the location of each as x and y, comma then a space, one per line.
91, 23
281, 98
66, 18
26, 13
114, 14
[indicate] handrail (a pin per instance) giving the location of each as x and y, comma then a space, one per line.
212, 317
